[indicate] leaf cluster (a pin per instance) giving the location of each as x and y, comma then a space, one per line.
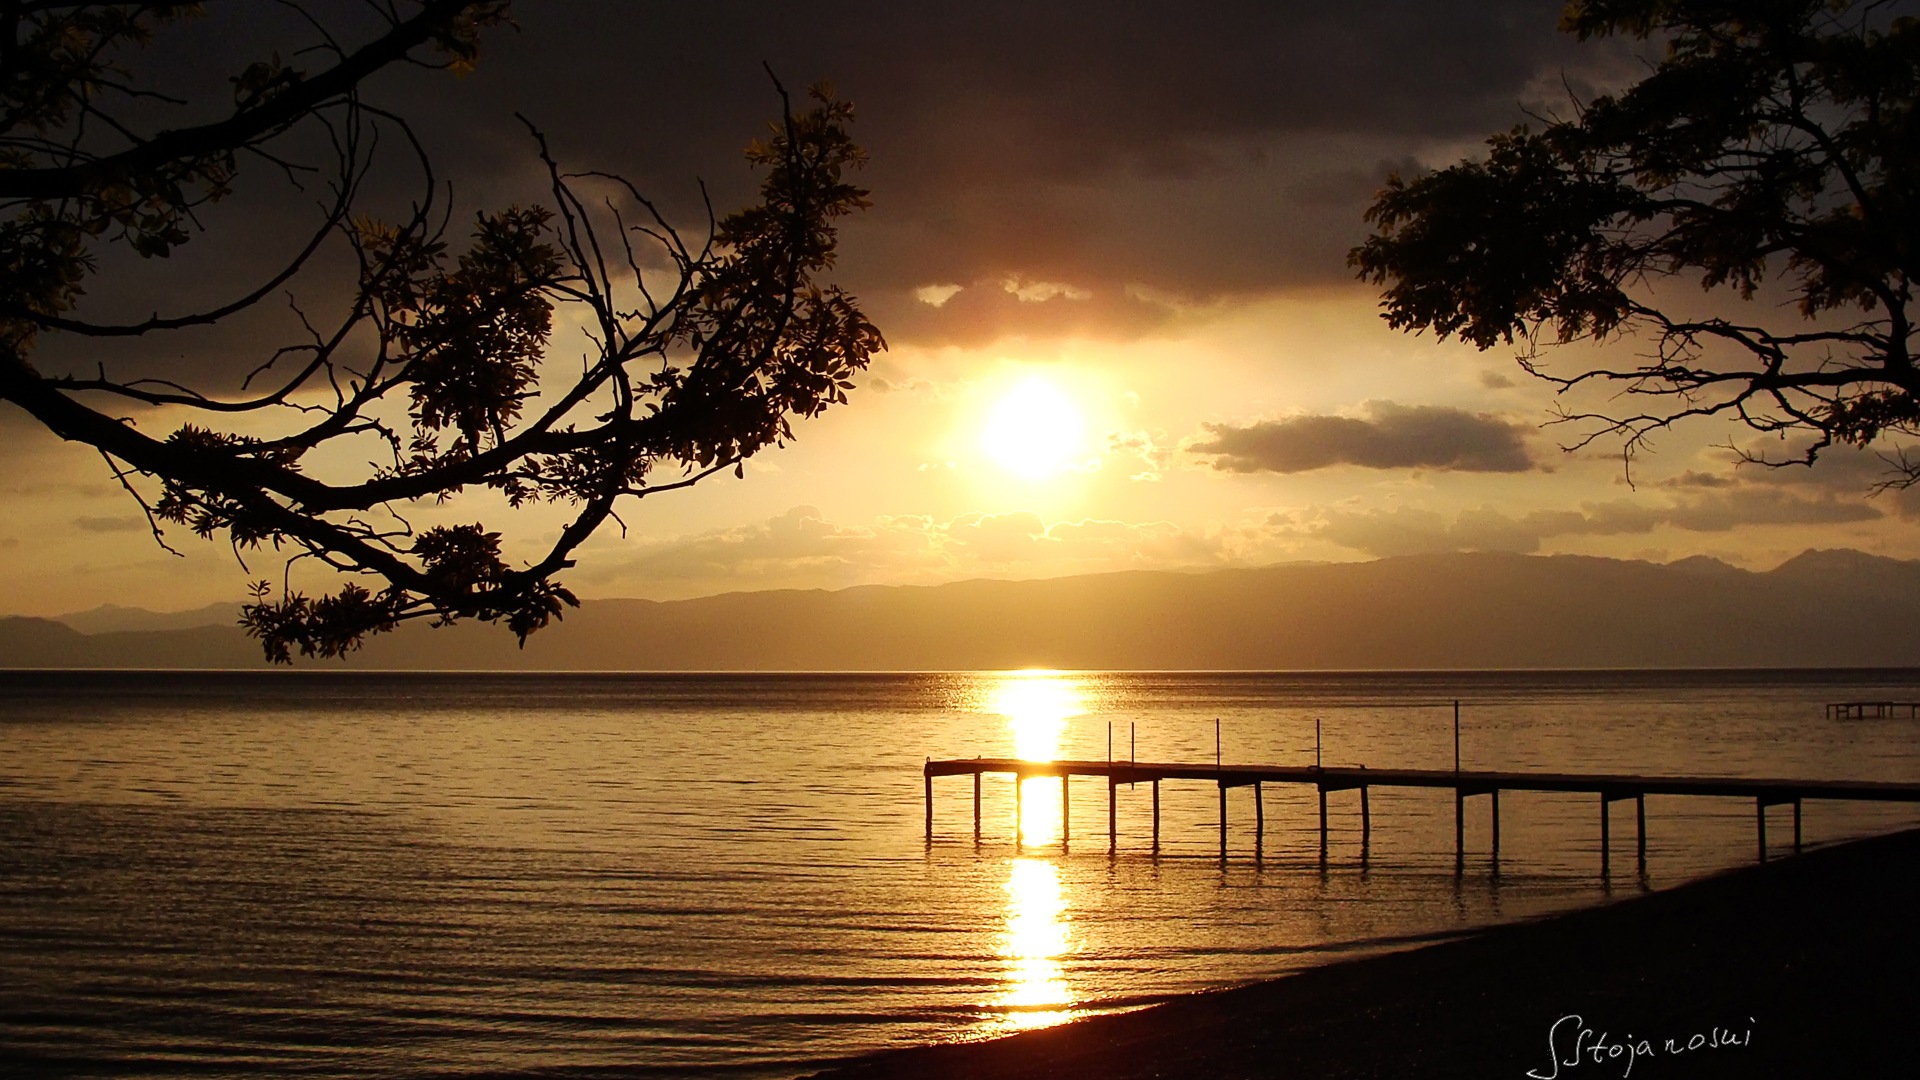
441, 358
1774, 149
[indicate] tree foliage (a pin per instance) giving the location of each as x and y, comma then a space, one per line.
1772, 153
700, 350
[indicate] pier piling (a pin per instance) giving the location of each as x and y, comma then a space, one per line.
1156, 817
1496, 823
1113, 815
1606, 838
1640, 829
1259, 821
1366, 824
1223, 821
1459, 830
1065, 834
1323, 823
1019, 810
1610, 788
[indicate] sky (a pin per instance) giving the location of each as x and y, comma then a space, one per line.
1107, 248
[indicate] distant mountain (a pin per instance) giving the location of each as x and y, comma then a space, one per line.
1820, 609
108, 618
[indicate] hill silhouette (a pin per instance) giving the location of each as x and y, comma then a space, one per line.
1820, 609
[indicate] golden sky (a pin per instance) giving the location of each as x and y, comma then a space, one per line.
1107, 249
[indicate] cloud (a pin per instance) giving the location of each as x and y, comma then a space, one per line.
1413, 530
1390, 436
1222, 150
1838, 472
109, 523
801, 549
1146, 447
988, 311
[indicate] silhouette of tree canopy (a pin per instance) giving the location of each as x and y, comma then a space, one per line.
1772, 154
699, 350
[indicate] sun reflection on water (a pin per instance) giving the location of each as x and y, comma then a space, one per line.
1037, 706
1035, 940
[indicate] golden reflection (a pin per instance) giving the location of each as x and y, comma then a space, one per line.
1035, 940
1037, 705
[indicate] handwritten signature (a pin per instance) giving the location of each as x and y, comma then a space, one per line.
1571, 1044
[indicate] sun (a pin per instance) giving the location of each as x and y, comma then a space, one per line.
1035, 430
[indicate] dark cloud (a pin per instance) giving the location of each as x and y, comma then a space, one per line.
106, 523
1839, 472
1217, 149
1389, 437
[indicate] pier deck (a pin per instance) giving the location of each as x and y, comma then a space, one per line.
1608, 787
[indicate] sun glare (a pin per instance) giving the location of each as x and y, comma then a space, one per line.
1036, 938
1037, 705
1035, 430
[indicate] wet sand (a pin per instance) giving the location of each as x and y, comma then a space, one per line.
1806, 966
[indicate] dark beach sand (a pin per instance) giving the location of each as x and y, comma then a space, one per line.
1817, 956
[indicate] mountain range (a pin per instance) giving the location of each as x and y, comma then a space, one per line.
1819, 609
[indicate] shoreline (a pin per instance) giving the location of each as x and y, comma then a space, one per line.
1803, 966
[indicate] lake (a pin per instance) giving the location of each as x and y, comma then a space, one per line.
476, 874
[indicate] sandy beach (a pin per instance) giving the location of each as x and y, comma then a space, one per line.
1800, 967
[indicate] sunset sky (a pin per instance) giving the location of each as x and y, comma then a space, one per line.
1107, 249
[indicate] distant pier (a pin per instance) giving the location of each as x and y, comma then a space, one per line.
1609, 788
1873, 710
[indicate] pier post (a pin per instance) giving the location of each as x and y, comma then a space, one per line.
1259, 821
1796, 826
1323, 822
1156, 816
976, 807
1113, 815
1640, 827
1606, 836
1496, 824
1459, 831
1064, 832
1223, 821
929, 779
1366, 824
1019, 810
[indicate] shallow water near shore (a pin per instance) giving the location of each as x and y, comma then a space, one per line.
366, 874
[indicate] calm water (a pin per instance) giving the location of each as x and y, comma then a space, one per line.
392, 875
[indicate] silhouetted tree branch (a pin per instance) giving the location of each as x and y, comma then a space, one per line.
1774, 149
698, 357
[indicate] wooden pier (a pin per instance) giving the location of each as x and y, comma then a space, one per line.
1873, 710
1608, 788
